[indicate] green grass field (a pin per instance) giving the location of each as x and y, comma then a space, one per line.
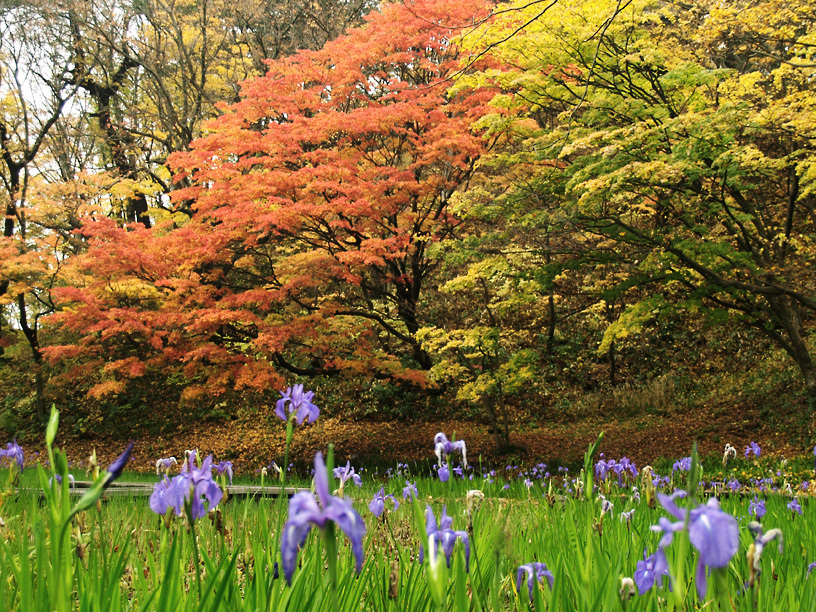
60, 552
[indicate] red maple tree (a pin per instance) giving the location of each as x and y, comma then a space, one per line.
317, 203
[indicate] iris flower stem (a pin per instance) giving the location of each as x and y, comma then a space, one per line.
477, 566
680, 584
189, 508
588, 552
753, 596
677, 578
290, 432
62, 564
60, 541
393, 538
329, 533
450, 480
720, 576
331, 554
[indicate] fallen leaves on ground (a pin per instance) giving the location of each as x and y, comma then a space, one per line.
255, 442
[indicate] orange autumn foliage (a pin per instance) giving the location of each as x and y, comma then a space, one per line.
317, 201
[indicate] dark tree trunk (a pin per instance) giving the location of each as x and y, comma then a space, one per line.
551, 312
407, 314
551, 325
613, 368
494, 421
14, 169
505, 419
118, 141
30, 332
791, 338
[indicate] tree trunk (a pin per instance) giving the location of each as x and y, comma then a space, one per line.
14, 171
805, 363
406, 310
30, 332
613, 368
494, 422
120, 142
792, 340
551, 312
551, 325
809, 375
505, 419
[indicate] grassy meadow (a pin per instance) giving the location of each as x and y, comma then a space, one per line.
600, 550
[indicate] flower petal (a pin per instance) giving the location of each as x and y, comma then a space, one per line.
714, 534
293, 537
701, 581
321, 479
352, 524
280, 409
667, 501
430, 521
115, 469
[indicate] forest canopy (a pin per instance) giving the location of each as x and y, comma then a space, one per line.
491, 203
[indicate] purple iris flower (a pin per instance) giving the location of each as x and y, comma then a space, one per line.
300, 405
377, 505
193, 483
167, 494
410, 491
443, 473
224, 467
712, 532
536, 572
116, 468
343, 474
652, 569
757, 507
760, 542
754, 448
71, 480
794, 506
601, 468
165, 464
305, 510
199, 483
621, 468
14, 452
443, 447
683, 465
668, 529
444, 536
811, 567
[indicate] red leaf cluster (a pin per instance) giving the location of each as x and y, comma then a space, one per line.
315, 199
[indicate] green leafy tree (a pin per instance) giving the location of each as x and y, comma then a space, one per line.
683, 135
